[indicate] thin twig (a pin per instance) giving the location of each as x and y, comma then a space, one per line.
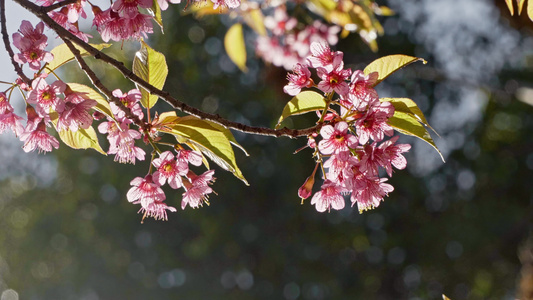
98, 84
5, 38
65, 34
48, 9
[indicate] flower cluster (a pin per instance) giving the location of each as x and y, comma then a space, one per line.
119, 134
352, 148
174, 170
121, 21
31, 43
289, 45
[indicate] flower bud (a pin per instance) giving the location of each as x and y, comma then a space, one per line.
306, 189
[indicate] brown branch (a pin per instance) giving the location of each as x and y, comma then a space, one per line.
48, 9
65, 34
98, 84
7, 44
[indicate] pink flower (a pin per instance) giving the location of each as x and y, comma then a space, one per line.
112, 27
226, 3
323, 57
393, 155
75, 10
31, 43
156, 210
130, 100
122, 141
163, 4
185, 157
128, 6
301, 78
337, 164
328, 197
45, 96
374, 123
137, 25
76, 112
362, 94
280, 22
169, 170
370, 193
197, 190
145, 191
334, 80
12, 121
101, 17
336, 139
38, 139
125, 150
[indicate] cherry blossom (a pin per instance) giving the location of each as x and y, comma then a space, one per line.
76, 112
299, 79
370, 192
168, 169
323, 57
336, 139
38, 138
197, 190
31, 43
328, 197
156, 210
145, 191
45, 96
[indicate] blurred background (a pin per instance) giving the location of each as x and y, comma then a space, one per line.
460, 228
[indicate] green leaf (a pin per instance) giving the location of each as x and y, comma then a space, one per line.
408, 124
155, 11
63, 55
151, 66
510, 6
520, 5
407, 105
209, 139
255, 19
304, 102
530, 9
235, 47
81, 139
387, 12
387, 65
102, 106
229, 136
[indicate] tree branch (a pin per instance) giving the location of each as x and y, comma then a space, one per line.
48, 9
5, 38
65, 34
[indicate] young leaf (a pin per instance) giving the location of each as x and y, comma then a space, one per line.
63, 55
151, 66
155, 11
211, 141
520, 5
81, 139
408, 124
235, 47
387, 65
102, 106
304, 102
510, 6
255, 19
229, 136
407, 105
